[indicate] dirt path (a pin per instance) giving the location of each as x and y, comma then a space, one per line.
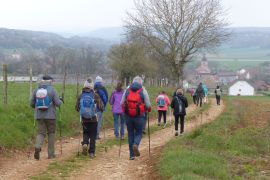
21, 165
109, 166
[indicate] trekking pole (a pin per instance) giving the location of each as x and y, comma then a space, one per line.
32, 137
78, 153
148, 124
60, 130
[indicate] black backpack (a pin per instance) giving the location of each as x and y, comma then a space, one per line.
180, 105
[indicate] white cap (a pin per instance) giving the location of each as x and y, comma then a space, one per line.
98, 79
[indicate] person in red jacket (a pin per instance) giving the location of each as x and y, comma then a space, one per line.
162, 101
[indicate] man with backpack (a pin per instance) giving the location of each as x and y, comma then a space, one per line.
87, 104
218, 93
162, 101
45, 100
102, 92
179, 105
135, 103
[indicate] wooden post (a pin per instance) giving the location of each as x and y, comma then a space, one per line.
5, 81
64, 85
125, 82
77, 93
30, 80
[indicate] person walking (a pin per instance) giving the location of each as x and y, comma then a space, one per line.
117, 111
135, 103
200, 94
179, 105
205, 93
102, 92
45, 100
87, 104
162, 101
218, 93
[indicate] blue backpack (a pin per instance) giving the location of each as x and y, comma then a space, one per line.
161, 101
102, 94
43, 101
87, 105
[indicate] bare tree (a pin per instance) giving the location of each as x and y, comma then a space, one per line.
177, 29
128, 60
54, 53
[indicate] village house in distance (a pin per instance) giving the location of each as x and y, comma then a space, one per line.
228, 80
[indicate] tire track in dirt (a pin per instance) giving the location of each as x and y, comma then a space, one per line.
109, 166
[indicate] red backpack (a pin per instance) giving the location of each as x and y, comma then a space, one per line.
134, 105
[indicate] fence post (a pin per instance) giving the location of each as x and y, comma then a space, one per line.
64, 85
77, 93
5, 81
30, 80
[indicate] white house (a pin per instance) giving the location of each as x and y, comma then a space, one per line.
241, 88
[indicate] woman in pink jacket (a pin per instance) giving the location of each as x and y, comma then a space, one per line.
162, 101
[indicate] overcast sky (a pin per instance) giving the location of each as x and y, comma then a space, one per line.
77, 16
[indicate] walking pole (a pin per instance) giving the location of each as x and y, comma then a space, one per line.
60, 128
78, 153
148, 114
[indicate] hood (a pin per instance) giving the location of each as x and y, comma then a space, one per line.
180, 96
98, 84
135, 86
87, 90
44, 84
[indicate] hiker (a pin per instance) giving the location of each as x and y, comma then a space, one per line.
205, 91
135, 103
45, 100
162, 101
102, 92
179, 105
117, 111
193, 95
218, 93
87, 104
200, 94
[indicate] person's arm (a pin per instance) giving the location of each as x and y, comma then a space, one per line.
55, 98
33, 99
112, 99
98, 102
146, 99
77, 106
172, 104
186, 102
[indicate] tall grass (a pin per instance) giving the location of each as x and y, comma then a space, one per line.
232, 147
17, 119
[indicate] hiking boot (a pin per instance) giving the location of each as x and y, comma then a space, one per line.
36, 155
131, 158
92, 155
84, 149
181, 133
136, 150
165, 124
176, 133
122, 138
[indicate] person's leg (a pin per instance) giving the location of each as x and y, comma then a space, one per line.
138, 134
100, 121
182, 122
201, 101
164, 116
122, 130
130, 130
176, 124
116, 124
92, 134
85, 142
40, 137
145, 121
159, 116
218, 100
194, 99
51, 127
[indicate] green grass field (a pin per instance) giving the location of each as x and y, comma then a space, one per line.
235, 146
17, 123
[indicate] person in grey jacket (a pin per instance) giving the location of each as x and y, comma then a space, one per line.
45, 114
135, 102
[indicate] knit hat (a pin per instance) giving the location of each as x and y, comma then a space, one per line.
47, 78
98, 79
89, 83
138, 79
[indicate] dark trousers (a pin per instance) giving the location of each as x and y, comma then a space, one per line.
218, 99
90, 133
199, 100
160, 114
194, 99
182, 119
